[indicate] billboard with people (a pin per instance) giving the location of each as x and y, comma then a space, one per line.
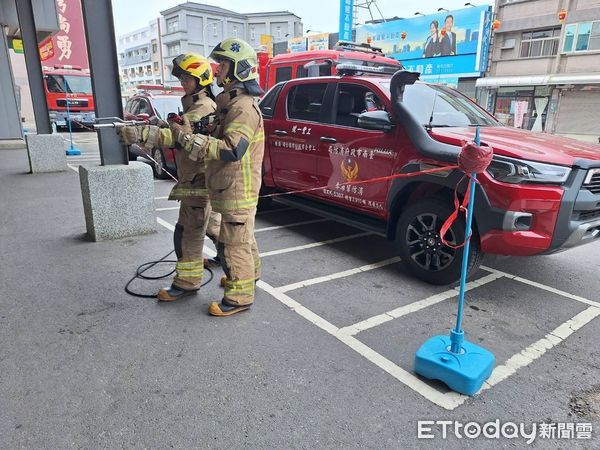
445, 44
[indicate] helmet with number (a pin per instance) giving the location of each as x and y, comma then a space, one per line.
243, 57
194, 65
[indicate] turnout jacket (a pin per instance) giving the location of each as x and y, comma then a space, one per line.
191, 174
233, 153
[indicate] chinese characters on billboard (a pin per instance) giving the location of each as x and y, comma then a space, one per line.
439, 46
67, 46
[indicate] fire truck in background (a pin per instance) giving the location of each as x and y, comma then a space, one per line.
319, 63
72, 84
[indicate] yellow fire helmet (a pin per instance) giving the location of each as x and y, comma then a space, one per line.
195, 65
241, 54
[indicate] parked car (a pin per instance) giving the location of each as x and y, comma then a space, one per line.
144, 106
541, 193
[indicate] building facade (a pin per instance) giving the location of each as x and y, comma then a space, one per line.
140, 60
544, 73
194, 27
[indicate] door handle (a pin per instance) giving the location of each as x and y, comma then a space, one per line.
281, 133
328, 139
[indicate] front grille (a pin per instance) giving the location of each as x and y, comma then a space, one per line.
592, 181
72, 103
589, 215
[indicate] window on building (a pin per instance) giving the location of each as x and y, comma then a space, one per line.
539, 43
214, 29
154, 48
144, 34
582, 37
172, 24
173, 49
156, 67
252, 33
278, 32
235, 32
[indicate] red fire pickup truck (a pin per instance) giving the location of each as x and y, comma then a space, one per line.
541, 194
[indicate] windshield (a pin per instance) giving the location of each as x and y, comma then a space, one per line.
166, 105
442, 106
72, 83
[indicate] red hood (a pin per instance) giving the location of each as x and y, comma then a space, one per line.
523, 144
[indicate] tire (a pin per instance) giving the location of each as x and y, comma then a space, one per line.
159, 166
421, 249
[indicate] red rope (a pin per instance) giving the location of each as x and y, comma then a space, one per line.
370, 180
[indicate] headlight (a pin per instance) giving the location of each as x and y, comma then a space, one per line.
516, 171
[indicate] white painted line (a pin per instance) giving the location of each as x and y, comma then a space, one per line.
161, 198
75, 168
448, 401
416, 306
314, 244
163, 181
170, 208
334, 276
271, 211
165, 224
297, 224
544, 287
538, 348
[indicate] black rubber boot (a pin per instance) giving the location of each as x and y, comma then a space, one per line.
173, 293
226, 309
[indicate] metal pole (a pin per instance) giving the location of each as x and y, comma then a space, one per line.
34, 66
457, 335
102, 54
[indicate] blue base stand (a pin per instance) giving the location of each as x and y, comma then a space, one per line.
463, 371
73, 151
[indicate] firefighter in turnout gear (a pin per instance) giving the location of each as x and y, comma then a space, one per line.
233, 155
195, 74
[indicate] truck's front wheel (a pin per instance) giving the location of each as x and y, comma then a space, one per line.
420, 244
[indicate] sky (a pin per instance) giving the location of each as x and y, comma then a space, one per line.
317, 15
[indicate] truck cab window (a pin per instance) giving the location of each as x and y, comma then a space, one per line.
304, 101
283, 74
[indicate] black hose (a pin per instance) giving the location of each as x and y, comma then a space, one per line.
139, 273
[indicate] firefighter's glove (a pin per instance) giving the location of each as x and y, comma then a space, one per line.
129, 134
180, 128
155, 120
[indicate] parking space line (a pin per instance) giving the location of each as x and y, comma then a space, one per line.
380, 319
161, 198
297, 224
314, 244
170, 208
446, 400
544, 287
334, 276
538, 348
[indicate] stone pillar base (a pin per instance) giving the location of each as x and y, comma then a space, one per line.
118, 200
46, 153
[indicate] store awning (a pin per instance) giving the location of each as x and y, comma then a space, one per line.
540, 80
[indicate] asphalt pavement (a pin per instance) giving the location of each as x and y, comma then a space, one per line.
324, 359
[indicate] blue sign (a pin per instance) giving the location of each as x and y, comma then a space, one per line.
346, 13
441, 44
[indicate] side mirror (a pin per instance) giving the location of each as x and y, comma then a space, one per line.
375, 120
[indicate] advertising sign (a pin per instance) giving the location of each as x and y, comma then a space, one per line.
318, 41
346, 13
297, 44
46, 49
67, 47
266, 42
437, 45
17, 45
